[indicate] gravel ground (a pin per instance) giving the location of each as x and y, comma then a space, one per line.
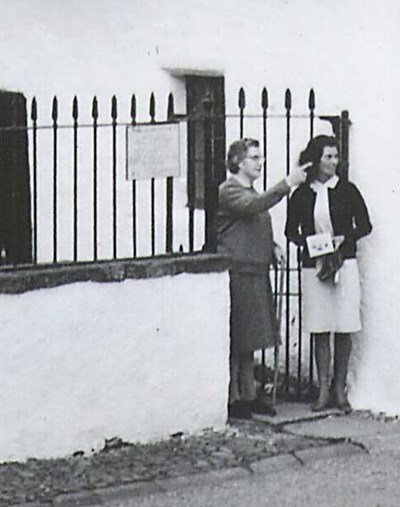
118, 463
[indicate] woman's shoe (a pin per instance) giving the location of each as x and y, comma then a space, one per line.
239, 410
345, 406
323, 401
261, 407
319, 406
342, 403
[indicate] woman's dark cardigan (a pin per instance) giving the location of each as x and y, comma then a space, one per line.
349, 216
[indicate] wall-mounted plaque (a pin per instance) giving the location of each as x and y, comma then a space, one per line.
152, 151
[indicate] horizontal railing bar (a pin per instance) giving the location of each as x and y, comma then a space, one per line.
179, 119
200, 117
86, 125
270, 115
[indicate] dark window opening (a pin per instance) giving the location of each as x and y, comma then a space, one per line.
15, 203
199, 89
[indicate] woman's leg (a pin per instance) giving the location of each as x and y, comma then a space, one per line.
323, 360
246, 376
238, 406
234, 365
248, 390
341, 364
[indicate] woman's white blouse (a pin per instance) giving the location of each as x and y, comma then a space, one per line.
322, 217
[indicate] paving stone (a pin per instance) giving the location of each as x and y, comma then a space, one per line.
330, 452
352, 426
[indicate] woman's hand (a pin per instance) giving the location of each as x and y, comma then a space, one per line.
337, 241
279, 255
297, 176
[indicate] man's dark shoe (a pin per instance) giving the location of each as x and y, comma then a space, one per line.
239, 410
261, 407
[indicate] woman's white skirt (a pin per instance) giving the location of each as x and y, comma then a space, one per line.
329, 306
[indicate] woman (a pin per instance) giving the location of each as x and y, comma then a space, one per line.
326, 203
245, 234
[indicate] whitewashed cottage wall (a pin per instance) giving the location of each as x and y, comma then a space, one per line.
348, 51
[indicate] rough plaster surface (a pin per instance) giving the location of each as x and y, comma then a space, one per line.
139, 360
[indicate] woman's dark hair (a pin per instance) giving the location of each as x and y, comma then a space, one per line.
313, 154
238, 151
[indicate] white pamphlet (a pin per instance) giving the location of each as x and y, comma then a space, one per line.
320, 244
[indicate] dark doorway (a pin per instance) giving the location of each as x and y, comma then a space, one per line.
200, 89
15, 202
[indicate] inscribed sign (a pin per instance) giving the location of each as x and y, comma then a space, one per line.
152, 151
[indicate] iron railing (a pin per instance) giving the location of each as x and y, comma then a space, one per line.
115, 159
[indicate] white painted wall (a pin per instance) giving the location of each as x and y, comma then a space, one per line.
139, 360
346, 50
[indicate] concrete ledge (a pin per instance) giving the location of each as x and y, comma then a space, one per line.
106, 496
20, 279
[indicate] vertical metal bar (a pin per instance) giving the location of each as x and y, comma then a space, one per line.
95, 115
35, 191
134, 218
152, 111
169, 190
275, 285
264, 105
114, 172
242, 106
191, 228
311, 106
54, 115
13, 140
276, 301
75, 183
300, 330
210, 191
288, 105
191, 176
276, 269
276, 347
344, 144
